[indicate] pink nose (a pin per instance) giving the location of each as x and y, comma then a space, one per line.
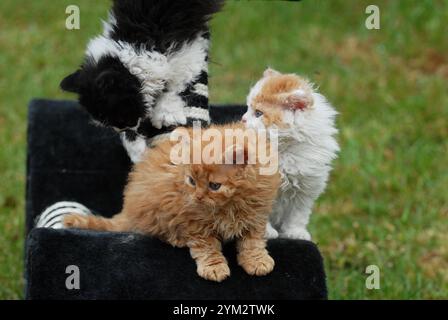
199, 196
244, 120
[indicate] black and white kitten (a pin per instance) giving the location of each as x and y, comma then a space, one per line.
148, 72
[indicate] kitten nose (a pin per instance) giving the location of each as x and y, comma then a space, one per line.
199, 196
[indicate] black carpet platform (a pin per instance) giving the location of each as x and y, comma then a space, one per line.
70, 159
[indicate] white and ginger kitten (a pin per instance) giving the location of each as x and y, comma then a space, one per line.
305, 121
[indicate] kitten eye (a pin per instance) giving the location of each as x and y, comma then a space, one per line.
214, 186
258, 113
191, 181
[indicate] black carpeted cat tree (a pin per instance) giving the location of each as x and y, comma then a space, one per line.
71, 159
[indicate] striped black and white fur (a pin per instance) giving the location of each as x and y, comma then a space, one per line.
148, 72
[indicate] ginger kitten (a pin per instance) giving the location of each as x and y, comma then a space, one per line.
306, 145
198, 206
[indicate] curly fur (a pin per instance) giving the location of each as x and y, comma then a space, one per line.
149, 66
305, 120
161, 200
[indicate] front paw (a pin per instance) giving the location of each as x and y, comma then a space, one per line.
135, 149
270, 233
296, 233
75, 221
256, 264
215, 272
168, 120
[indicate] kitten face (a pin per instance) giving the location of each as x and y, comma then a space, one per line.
274, 97
216, 175
108, 92
212, 185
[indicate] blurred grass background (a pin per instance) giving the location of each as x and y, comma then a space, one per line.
386, 203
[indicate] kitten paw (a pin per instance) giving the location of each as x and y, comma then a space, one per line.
135, 149
256, 265
160, 118
217, 272
270, 233
298, 233
75, 221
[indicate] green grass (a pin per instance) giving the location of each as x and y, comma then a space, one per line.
386, 203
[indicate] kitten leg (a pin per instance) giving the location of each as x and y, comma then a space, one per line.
253, 256
294, 225
211, 263
298, 209
116, 223
298, 232
270, 233
135, 149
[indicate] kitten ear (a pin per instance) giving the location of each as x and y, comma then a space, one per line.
298, 100
71, 83
270, 72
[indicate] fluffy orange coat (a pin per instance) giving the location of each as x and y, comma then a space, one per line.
176, 203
